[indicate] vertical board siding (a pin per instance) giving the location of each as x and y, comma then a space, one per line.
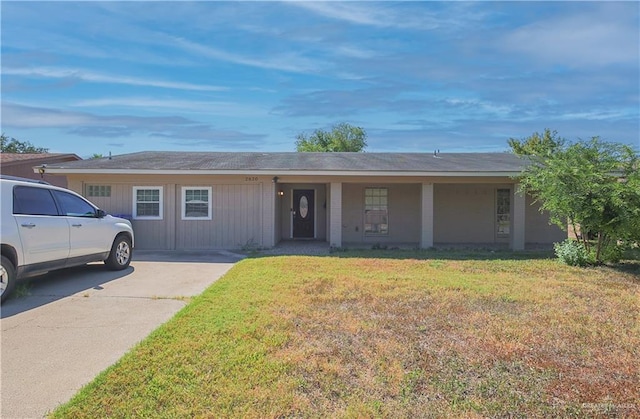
237, 215
149, 234
119, 203
236, 220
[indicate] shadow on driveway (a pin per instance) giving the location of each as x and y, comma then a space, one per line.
187, 256
44, 289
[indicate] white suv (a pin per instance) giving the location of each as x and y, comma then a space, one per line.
45, 227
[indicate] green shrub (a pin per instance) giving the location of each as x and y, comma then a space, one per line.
613, 252
572, 253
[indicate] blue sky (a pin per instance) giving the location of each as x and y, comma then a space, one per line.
120, 77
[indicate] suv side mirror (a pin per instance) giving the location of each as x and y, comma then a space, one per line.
101, 213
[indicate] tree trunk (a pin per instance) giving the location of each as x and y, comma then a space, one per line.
601, 238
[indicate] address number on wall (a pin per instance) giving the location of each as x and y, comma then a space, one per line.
251, 178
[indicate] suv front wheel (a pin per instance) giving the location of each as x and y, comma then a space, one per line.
7, 278
120, 255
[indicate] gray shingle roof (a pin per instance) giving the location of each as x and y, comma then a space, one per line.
292, 161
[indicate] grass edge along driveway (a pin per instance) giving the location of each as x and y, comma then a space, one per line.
387, 336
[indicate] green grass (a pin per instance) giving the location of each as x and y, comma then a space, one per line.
400, 334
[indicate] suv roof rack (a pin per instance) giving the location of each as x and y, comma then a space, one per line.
24, 179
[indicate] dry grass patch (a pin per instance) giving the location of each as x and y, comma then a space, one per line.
382, 337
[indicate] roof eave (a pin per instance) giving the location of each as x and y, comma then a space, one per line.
280, 172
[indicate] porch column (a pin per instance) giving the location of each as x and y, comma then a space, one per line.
517, 236
335, 215
268, 214
426, 237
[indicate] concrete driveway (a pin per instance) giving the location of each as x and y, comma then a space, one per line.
72, 324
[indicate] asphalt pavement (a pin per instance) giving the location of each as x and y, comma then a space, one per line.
63, 328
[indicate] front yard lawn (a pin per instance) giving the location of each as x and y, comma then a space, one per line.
395, 335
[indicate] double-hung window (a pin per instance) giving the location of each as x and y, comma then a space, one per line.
147, 202
376, 214
196, 203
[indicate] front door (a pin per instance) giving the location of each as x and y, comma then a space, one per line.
303, 213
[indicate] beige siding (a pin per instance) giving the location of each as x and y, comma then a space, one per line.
237, 211
464, 213
247, 210
404, 203
119, 203
538, 229
236, 219
151, 234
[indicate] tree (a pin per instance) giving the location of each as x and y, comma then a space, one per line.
14, 146
537, 144
342, 137
591, 184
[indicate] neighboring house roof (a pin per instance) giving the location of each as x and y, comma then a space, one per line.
149, 162
9, 159
22, 164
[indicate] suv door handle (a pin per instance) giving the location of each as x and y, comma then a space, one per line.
28, 225
76, 225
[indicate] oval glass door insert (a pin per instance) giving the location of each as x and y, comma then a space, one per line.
304, 206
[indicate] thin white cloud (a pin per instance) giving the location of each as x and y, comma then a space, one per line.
93, 77
25, 116
350, 12
382, 15
18, 116
352, 51
598, 37
85, 124
291, 61
408, 15
218, 108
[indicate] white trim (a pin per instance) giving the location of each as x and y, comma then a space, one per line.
183, 203
135, 202
364, 212
282, 172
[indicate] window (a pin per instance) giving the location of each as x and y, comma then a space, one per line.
375, 211
147, 202
33, 201
196, 203
99, 190
73, 206
503, 212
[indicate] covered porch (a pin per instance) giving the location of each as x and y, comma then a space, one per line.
405, 213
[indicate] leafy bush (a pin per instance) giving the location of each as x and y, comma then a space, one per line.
613, 252
572, 253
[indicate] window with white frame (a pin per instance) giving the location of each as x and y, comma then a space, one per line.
503, 212
98, 190
376, 214
147, 202
196, 203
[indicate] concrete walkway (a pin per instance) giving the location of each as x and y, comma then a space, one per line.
72, 324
